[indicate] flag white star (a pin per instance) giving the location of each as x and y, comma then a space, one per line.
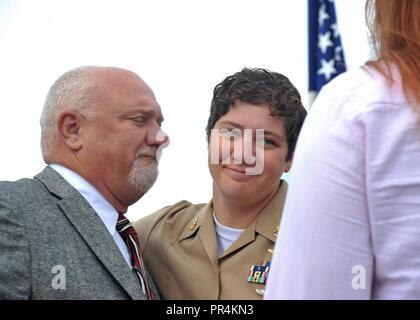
327, 69
322, 15
324, 42
337, 55
334, 28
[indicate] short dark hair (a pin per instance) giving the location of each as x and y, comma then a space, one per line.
261, 86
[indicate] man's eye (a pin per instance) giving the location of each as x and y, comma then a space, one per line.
139, 119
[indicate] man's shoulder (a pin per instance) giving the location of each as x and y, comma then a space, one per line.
18, 191
15, 196
26, 197
168, 221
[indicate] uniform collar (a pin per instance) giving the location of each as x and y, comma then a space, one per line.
266, 224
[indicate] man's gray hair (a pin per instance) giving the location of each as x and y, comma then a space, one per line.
74, 90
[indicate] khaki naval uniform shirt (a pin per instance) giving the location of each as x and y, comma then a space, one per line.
180, 250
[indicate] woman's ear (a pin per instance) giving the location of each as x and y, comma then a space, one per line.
288, 165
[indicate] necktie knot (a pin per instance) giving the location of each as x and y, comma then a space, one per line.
125, 228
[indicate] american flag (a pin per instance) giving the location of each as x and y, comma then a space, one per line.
326, 57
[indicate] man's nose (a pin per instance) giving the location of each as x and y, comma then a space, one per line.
158, 138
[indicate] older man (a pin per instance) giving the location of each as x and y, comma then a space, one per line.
63, 234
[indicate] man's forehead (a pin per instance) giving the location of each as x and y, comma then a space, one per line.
120, 80
125, 87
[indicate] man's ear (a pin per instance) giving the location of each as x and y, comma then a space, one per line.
68, 126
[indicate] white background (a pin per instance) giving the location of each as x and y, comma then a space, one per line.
181, 48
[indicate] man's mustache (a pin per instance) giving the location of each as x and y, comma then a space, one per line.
147, 152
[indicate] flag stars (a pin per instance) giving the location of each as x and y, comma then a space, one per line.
337, 53
322, 15
326, 52
327, 68
334, 28
324, 42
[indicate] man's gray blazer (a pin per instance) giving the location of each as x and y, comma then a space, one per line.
53, 245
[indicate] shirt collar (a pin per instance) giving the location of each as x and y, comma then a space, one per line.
226, 232
266, 224
102, 207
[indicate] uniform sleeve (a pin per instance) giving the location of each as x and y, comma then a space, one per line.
324, 249
143, 228
14, 258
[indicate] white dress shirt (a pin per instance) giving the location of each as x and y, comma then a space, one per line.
102, 207
351, 222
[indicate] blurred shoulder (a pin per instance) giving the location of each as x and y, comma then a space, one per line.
351, 84
352, 95
366, 86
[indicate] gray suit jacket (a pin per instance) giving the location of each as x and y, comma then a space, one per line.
53, 245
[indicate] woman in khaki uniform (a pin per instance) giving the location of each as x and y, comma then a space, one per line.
223, 249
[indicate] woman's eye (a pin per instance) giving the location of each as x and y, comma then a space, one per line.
269, 142
229, 133
266, 142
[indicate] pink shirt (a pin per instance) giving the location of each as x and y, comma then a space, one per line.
351, 222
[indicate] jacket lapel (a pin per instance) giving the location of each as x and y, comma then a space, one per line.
92, 230
202, 227
207, 234
97, 237
267, 223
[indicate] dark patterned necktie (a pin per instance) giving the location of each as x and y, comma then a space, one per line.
129, 235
